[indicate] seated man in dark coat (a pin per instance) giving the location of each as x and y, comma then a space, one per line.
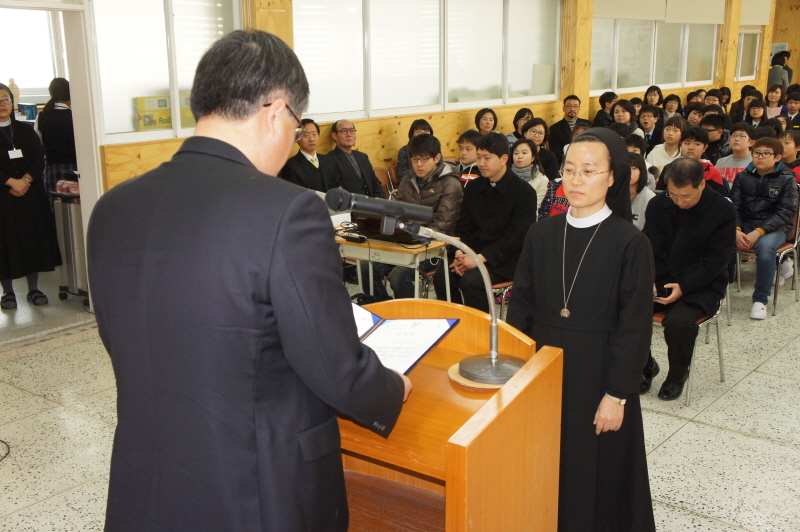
692, 230
561, 131
353, 170
308, 168
497, 211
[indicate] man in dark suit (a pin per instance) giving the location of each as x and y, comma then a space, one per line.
218, 294
692, 230
496, 213
793, 116
653, 131
751, 95
353, 170
561, 131
308, 168
603, 117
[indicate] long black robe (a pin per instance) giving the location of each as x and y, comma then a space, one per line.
604, 485
28, 241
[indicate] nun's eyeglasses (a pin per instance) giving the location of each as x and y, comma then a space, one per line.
587, 174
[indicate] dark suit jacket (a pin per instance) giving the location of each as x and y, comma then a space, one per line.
693, 252
300, 171
218, 294
602, 119
795, 122
561, 135
738, 117
495, 220
656, 138
347, 178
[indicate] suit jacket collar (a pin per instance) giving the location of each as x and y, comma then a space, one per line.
216, 148
502, 185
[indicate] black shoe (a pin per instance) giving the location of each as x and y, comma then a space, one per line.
672, 390
650, 371
37, 298
8, 301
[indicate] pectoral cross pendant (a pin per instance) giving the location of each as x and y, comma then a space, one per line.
565, 312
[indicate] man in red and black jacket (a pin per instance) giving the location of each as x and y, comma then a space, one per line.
693, 145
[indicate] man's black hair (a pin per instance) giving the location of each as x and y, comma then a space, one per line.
774, 124
470, 136
571, 97
606, 98
764, 132
495, 143
794, 96
652, 109
684, 171
745, 127
715, 92
696, 133
713, 120
244, 70
755, 92
424, 146
304, 122
778, 60
636, 101
774, 145
635, 141
793, 134
419, 124
713, 108
746, 89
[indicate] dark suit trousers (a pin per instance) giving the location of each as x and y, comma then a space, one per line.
680, 333
470, 284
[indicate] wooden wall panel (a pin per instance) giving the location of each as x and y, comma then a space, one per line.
728, 44
786, 28
121, 162
576, 49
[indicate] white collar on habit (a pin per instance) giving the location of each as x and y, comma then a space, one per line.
61, 106
589, 221
6, 123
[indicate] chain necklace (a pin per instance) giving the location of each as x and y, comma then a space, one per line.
565, 311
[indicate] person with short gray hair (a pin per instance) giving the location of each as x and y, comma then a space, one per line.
218, 294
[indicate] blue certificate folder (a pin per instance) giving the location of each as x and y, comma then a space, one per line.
399, 344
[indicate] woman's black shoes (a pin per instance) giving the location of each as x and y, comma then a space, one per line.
36, 297
8, 301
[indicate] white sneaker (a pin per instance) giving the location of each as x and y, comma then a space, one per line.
758, 312
787, 269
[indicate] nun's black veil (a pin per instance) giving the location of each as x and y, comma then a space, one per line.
618, 198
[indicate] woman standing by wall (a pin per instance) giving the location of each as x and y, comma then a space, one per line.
54, 124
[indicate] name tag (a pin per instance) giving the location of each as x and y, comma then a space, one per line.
15, 154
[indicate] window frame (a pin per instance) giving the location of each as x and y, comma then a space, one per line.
683, 62
444, 104
748, 30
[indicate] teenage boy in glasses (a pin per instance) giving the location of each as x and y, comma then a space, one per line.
741, 141
718, 146
765, 197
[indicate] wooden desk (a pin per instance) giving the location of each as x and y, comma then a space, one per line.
408, 255
492, 453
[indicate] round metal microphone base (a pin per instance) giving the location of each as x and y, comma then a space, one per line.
481, 368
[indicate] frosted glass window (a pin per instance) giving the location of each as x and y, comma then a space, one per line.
532, 47
602, 54
474, 50
197, 25
668, 53
635, 51
328, 39
31, 66
134, 70
748, 53
700, 59
404, 53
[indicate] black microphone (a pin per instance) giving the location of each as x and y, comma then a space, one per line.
340, 200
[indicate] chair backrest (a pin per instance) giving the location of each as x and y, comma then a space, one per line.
393, 175
383, 177
451, 160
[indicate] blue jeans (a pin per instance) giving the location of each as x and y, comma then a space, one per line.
766, 248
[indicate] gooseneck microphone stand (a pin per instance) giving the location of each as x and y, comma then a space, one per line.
488, 369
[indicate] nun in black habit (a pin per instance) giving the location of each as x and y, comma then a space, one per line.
584, 283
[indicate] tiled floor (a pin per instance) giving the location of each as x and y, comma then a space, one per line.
729, 462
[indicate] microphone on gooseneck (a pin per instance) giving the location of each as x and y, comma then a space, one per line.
340, 200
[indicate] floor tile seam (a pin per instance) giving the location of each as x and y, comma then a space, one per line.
45, 350
792, 446
53, 404
52, 496
774, 375
43, 333
704, 516
112, 425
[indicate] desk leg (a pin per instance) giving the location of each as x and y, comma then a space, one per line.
446, 276
416, 281
358, 274
371, 280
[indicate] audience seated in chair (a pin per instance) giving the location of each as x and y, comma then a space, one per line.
741, 141
561, 131
430, 182
603, 117
308, 168
468, 156
496, 213
765, 197
418, 127
694, 144
691, 229
353, 169
718, 146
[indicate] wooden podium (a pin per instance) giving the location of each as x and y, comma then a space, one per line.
472, 459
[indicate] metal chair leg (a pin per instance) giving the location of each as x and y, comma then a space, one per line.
707, 331
738, 272
691, 376
719, 348
728, 300
777, 282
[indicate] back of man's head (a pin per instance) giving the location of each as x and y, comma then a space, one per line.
746, 89
696, 133
243, 71
494, 142
778, 60
713, 108
652, 109
765, 132
424, 146
713, 120
470, 136
755, 94
684, 171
